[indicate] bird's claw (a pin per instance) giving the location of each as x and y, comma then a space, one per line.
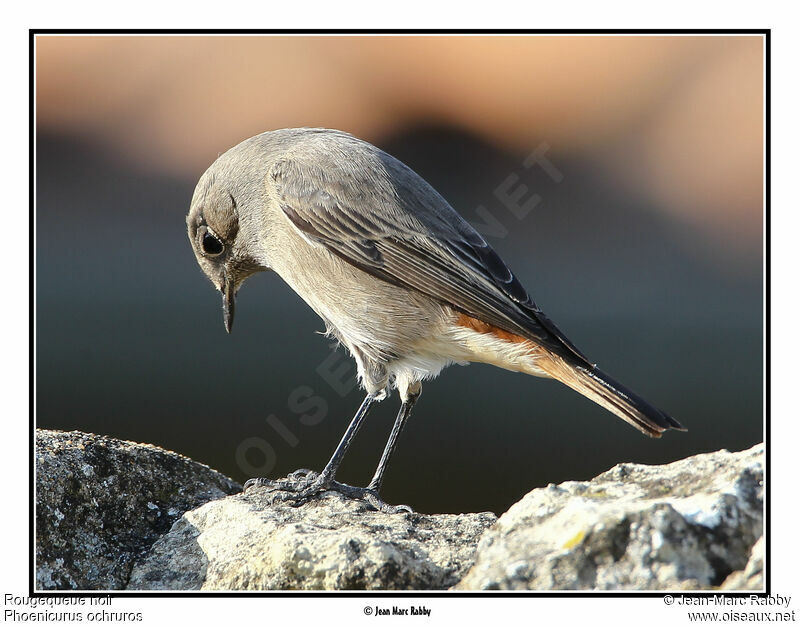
304, 484
297, 481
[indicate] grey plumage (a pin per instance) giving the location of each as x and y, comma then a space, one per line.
380, 216
396, 274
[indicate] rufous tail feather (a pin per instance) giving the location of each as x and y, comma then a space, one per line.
609, 394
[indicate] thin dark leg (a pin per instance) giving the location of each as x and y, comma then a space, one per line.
399, 423
303, 480
329, 472
303, 484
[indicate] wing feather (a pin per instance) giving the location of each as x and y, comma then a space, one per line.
381, 217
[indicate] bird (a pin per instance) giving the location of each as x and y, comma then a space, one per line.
398, 277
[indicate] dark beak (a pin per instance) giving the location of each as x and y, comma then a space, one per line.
228, 303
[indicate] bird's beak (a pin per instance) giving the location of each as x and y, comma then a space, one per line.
228, 302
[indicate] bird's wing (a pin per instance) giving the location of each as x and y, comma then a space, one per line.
381, 217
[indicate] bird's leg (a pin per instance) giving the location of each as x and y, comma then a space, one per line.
304, 483
399, 423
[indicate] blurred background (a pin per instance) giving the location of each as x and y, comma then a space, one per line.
643, 241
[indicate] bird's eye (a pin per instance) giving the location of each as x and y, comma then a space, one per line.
210, 243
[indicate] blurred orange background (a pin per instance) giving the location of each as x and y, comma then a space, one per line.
677, 117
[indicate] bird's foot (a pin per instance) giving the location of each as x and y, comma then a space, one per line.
369, 496
303, 485
296, 481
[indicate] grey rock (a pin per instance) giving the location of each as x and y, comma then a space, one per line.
752, 577
685, 525
101, 502
331, 543
113, 514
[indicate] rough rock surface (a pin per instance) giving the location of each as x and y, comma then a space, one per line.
112, 514
752, 577
101, 502
332, 543
685, 525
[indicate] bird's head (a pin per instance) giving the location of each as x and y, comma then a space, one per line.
218, 242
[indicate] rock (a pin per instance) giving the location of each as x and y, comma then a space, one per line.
685, 525
331, 543
752, 577
101, 502
112, 515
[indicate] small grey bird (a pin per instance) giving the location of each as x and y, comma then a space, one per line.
399, 278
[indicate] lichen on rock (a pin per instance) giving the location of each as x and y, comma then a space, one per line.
112, 515
101, 502
685, 525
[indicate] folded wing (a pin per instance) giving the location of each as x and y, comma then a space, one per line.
380, 216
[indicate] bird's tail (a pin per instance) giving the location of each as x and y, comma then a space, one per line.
611, 395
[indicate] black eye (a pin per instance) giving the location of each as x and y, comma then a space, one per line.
210, 243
